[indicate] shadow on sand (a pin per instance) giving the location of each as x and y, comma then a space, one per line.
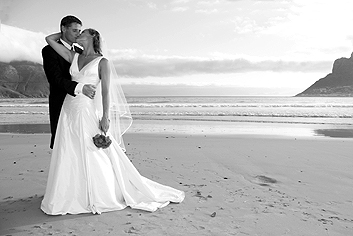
25, 128
25, 211
335, 133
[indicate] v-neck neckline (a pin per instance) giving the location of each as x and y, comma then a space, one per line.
78, 67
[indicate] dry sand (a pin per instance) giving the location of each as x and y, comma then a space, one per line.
243, 184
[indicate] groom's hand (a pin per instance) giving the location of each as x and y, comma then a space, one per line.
89, 90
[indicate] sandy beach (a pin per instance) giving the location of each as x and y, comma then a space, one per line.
236, 183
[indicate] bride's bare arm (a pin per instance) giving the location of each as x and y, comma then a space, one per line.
104, 75
52, 40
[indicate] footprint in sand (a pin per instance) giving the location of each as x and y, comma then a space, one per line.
201, 198
263, 180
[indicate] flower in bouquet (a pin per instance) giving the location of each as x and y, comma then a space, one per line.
101, 141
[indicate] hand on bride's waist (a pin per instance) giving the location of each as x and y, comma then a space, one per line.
89, 90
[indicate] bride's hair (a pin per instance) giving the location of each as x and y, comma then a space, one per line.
96, 40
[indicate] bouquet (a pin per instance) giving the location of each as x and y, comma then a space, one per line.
101, 141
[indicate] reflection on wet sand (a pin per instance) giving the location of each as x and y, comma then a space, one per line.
45, 128
335, 133
25, 128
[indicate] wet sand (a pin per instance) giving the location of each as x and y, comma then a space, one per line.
205, 127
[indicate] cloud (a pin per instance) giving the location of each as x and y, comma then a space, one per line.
207, 90
209, 2
207, 11
152, 5
180, 9
256, 1
203, 7
180, 1
157, 66
244, 25
316, 27
19, 44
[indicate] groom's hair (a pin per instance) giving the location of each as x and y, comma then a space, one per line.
68, 20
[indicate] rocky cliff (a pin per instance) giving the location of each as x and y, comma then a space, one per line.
339, 83
22, 79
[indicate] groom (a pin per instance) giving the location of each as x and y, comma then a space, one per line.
56, 69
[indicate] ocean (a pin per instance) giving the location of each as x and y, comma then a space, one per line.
306, 110
259, 109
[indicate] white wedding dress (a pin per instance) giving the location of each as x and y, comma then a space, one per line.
83, 178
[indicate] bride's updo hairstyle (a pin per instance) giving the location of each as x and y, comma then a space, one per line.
96, 40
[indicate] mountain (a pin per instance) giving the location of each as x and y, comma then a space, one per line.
339, 83
20, 79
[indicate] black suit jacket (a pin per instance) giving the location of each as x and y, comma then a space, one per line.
56, 69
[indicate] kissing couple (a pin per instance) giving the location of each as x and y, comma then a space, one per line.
86, 99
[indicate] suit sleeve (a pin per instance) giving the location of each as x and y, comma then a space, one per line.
54, 72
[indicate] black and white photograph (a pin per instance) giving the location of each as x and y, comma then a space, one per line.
176, 117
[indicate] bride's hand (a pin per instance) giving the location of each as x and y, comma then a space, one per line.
104, 124
54, 37
65, 53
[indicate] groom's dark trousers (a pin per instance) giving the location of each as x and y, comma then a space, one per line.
56, 69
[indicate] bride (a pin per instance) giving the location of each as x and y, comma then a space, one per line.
82, 177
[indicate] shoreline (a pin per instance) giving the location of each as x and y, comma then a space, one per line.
207, 127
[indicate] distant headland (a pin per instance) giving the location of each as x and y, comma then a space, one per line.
339, 83
21, 79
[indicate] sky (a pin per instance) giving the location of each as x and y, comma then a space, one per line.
196, 47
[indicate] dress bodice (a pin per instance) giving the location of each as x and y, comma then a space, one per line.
88, 74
